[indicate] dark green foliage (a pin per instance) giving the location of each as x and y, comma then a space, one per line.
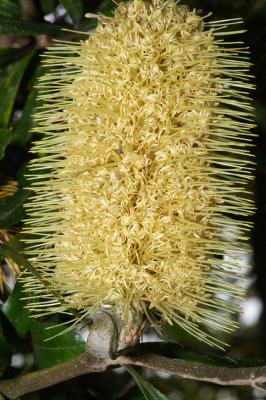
19, 27
16, 313
149, 391
5, 137
48, 6
75, 9
22, 130
6, 352
10, 8
10, 81
11, 208
49, 351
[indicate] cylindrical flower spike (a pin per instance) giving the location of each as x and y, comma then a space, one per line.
140, 180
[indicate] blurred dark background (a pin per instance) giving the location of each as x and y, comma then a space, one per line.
27, 27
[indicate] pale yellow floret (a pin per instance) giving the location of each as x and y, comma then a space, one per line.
144, 160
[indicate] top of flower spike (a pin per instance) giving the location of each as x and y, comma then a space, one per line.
146, 134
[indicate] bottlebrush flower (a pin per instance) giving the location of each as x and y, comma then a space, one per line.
140, 180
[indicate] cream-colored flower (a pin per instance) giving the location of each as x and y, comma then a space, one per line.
144, 163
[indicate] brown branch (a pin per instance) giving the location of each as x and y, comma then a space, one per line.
251, 376
84, 364
33, 381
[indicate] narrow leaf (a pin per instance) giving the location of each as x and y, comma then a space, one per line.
19, 27
149, 391
5, 137
11, 210
49, 351
48, 6
15, 312
9, 251
8, 55
22, 130
106, 7
15, 242
9, 88
5, 351
10, 8
74, 8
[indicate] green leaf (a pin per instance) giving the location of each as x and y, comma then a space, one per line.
11, 210
17, 315
172, 350
260, 114
149, 391
22, 132
5, 137
176, 333
8, 55
48, 6
10, 250
106, 7
9, 88
15, 243
10, 8
19, 27
22, 176
74, 8
58, 349
5, 351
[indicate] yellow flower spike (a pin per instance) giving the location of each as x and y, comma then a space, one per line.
144, 163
